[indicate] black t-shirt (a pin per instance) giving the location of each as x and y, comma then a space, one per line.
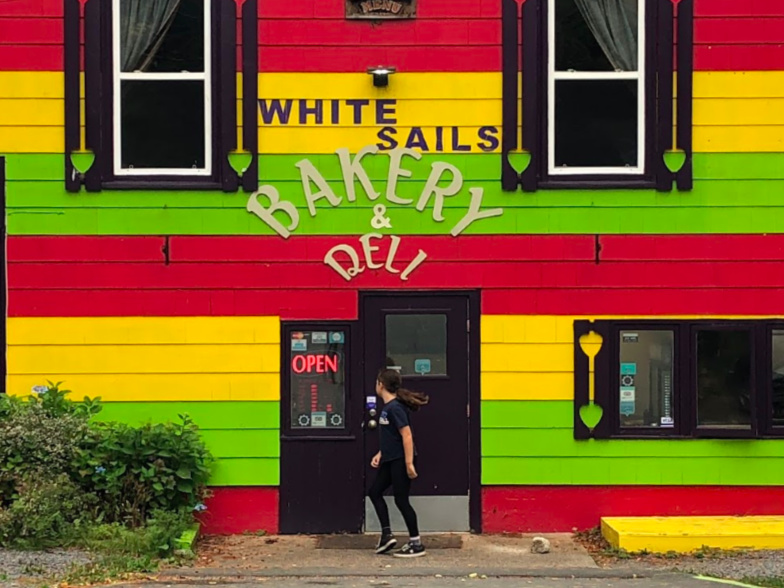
394, 416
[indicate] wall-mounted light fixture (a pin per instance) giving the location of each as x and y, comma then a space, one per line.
381, 75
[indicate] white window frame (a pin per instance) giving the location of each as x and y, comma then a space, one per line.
553, 76
119, 76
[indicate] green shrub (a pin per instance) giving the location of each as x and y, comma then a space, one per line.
62, 473
134, 470
48, 512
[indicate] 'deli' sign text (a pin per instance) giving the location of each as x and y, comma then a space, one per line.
378, 250
380, 8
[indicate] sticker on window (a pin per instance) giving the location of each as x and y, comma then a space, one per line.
422, 366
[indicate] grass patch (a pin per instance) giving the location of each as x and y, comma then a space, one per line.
772, 582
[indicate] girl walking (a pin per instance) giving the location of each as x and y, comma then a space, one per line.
395, 461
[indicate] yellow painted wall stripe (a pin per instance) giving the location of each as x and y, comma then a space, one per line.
143, 330
707, 84
138, 387
155, 359
462, 113
527, 386
292, 140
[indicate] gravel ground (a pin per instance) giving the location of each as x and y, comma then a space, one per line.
17, 567
757, 564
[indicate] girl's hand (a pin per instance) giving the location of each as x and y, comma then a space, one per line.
412, 473
376, 460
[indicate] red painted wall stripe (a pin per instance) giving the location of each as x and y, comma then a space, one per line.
527, 509
31, 31
432, 274
237, 510
747, 8
403, 33
46, 8
467, 248
31, 58
342, 304
739, 31
318, 9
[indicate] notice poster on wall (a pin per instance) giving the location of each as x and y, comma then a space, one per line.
317, 379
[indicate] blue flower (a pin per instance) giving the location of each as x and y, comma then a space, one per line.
40, 390
200, 507
100, 470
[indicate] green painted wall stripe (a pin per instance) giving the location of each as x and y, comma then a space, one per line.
526, 414
656, 471
207, 415
246, 472
557, 443
474, 166
30, 196
247, 443
574, 220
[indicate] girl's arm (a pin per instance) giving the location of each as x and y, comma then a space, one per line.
408, 448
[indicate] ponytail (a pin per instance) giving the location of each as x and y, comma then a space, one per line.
393, 383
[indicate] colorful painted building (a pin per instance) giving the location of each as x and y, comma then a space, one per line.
560, 218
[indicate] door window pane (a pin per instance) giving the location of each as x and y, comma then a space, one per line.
724, 379
646, 378
318, 379
162, 35
778, 378
596, 123
163, 124
416, 343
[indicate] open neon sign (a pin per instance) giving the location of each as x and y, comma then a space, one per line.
319, 363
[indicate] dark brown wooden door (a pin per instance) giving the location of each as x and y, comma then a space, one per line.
425, 337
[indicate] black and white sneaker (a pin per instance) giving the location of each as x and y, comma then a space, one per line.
410, 550
386, 543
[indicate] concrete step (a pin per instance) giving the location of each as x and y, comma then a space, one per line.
369, 541
686, 534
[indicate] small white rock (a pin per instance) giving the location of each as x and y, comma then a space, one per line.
540, 545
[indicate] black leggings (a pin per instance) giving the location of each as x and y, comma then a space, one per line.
394, 473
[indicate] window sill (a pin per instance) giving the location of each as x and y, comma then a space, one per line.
185, 184
583, 183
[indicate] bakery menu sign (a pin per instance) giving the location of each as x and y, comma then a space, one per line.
380, 8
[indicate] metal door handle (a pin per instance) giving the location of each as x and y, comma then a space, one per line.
372, 424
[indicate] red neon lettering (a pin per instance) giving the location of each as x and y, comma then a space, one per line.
319, 363
298, 364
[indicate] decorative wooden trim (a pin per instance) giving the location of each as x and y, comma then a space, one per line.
227, 93
602, 394
685, 57
664, 118
93, 92
250, 92
71, 67
532, 67
475, 407
581, 379
511, 51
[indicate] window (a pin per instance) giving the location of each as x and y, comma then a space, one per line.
162, 87
160, 94
416, 343
684, 379
596, 87
599, 104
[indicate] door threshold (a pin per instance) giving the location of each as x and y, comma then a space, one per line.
369, 541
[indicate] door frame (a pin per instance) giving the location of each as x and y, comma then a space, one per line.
473, 298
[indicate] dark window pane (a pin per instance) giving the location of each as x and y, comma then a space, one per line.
417, 343
724, 379
646, 377
575, 45
778, 378
596, 123
163, 124
318, 380
162, 36
592, 35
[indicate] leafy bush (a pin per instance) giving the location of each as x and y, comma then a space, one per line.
135, 470
63, 474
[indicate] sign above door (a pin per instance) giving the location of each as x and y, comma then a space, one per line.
381, 8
